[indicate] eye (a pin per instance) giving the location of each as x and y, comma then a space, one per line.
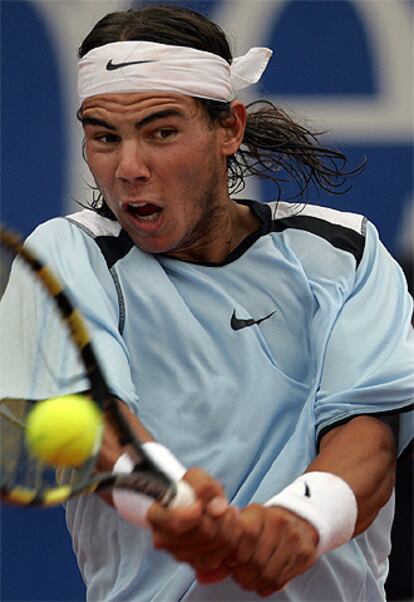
165, 133
107, 138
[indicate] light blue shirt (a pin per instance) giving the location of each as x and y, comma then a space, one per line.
331, 340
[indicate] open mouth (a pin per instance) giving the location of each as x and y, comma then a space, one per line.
147, 212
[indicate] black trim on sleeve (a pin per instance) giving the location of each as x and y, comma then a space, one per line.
390, 417
114, 248
339, 236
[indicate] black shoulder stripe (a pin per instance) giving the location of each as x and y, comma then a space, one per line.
389, 417
339, 236
114, 248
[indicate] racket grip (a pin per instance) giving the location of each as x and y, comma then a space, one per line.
132, 505
184, 496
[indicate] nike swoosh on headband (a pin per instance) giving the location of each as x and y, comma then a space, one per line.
238, 323
110, 66
175, 69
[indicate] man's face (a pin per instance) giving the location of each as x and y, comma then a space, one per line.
160, 166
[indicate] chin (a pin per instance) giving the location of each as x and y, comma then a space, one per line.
152, 246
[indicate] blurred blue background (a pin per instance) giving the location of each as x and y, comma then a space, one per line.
347, 66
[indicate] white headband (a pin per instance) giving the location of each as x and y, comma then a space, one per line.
150, 67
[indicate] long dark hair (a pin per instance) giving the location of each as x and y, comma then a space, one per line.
275, 146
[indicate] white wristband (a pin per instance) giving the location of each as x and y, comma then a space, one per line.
131, 505
327, 502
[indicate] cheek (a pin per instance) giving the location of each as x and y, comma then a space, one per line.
196, 168
101, 167
90, 156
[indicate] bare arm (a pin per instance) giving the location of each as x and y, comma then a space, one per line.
363, 453
277, 544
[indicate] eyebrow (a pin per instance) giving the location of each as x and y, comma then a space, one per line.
159, 115
140, 124
95, 121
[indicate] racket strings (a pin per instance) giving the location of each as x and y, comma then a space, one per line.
18, 467
12, 424
46, 352
38, 360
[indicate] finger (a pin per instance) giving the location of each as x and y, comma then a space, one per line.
174, 521
207, 545
251, 520
206, 561
268, 591
217, 506
208, 490
214, 576
296, 551
210, 498
299, 560
253, 575
272, 578
293, 553
264, 579
230, 530
194, 542
244, 576
264, 548
250, 577
223, 544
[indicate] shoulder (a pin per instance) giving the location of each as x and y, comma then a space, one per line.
113, 242
344, 231
72, 248
93, 224
85, 230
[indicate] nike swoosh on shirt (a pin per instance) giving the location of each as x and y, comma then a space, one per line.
110, 66
239, 323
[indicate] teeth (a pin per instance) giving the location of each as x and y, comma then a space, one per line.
137, 205
145, 211
148, 218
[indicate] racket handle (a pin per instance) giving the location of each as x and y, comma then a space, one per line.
163, 458
184, 496
133, 506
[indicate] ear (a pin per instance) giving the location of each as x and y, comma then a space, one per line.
233, 128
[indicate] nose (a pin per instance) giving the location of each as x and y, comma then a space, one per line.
132, 164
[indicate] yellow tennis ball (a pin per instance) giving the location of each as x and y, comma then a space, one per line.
64, 431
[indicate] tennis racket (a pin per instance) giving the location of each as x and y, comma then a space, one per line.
46, 352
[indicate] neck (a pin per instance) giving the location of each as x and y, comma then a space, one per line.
233, 223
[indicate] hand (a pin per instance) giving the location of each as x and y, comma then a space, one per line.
276, 545
204, 534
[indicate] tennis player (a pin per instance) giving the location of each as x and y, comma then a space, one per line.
269, 344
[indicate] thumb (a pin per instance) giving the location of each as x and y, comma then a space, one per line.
208, 490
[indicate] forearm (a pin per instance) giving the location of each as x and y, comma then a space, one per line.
316, 514
361, 452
